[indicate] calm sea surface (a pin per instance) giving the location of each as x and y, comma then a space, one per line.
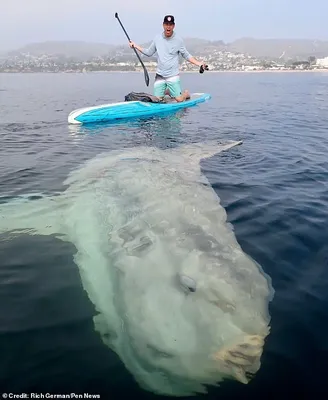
275, 192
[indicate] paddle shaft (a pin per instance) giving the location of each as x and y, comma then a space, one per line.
135, 50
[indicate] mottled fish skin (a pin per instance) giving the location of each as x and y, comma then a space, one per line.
177, 299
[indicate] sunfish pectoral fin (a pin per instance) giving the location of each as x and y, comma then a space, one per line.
195, 152
35, 214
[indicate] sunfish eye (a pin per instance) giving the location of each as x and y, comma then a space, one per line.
188, 283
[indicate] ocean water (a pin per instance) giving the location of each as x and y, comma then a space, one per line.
274, 189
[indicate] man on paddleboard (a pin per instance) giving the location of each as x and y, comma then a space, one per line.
168, 46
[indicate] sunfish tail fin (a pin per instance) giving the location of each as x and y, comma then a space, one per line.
33, 214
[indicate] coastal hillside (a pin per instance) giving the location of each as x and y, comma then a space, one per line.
280, 48
284, 49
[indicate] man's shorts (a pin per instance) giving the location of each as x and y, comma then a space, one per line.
172, 83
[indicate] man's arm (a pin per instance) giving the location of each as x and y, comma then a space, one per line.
187, 56
193, 60
147, 52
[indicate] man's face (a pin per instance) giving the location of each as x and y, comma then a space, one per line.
168, 29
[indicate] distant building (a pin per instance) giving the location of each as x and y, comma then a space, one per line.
322, 62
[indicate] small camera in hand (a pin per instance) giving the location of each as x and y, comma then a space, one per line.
203, 68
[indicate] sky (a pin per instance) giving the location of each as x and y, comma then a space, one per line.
27, 21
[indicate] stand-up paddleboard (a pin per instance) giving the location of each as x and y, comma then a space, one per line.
131, 109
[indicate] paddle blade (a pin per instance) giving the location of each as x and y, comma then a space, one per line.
116, 15
146, 77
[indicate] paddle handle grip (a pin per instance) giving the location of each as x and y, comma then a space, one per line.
116, 16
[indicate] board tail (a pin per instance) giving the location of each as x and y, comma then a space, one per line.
32, 214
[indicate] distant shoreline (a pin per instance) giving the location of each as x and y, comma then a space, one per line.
181, 72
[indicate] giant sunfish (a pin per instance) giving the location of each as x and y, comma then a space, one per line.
176, 297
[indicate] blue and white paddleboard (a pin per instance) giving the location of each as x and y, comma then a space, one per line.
130, 109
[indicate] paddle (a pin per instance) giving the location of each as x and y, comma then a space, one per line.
135, 50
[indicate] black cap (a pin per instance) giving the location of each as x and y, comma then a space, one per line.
168, 19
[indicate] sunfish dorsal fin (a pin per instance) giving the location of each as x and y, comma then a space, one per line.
195, 152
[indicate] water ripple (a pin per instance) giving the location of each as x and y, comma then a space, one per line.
274, 188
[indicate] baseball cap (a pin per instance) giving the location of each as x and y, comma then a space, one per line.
168, 19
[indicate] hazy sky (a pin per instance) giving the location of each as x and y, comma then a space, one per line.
25, 21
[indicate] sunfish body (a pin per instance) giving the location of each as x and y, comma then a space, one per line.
177, 298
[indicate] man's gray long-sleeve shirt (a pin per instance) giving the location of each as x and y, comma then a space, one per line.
168, 50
